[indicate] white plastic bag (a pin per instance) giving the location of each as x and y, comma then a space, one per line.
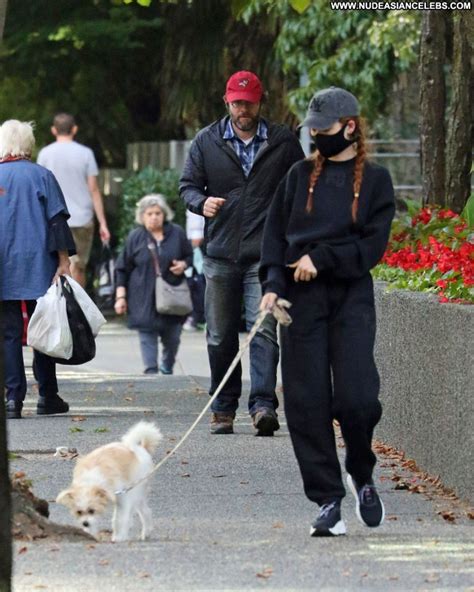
91, 312
48, 329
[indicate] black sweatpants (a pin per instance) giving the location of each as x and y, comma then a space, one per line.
329, 372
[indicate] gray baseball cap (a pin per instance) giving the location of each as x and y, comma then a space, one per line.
328, 106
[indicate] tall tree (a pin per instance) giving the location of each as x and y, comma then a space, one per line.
459, 140
433, 105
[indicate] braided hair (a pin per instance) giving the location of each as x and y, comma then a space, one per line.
361, 157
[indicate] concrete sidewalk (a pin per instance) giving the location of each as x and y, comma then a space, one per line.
229, 511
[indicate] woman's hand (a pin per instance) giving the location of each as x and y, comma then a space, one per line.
268, 301
120, 305
178, 267
63, 266
304, 269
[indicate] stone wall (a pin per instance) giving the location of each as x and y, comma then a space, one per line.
424, 353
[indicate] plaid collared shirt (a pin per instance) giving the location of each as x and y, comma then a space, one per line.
246, 152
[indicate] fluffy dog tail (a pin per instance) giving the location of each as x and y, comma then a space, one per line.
143, 434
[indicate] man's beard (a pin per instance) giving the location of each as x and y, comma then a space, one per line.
245, 123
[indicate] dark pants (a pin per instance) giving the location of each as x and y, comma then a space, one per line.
197, 286
170, 334
45, 367
227, 284
329, 372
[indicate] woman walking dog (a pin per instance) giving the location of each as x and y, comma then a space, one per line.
328, 225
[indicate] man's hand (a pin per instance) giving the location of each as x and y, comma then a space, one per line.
178, 267
104, 233
120, 305
212, 205
268, 301
304, 269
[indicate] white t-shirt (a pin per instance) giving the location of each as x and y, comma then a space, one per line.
72, 163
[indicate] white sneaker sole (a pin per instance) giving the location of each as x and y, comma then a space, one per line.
337, 530
353, 489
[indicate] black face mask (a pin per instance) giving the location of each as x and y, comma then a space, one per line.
331, 145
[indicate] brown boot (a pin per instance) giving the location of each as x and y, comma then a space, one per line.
222, 423
265, 422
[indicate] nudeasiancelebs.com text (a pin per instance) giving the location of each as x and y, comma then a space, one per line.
401, 5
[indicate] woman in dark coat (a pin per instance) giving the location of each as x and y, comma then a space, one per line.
136, 277
328, 225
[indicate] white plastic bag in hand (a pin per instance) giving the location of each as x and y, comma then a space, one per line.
48, 329
95, 318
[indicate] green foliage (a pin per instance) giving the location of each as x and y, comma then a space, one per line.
468, 211
363, 51
149, 180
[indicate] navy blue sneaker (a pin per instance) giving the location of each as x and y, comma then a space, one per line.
369, 506
329, 521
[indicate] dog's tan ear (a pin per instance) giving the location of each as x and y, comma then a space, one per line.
66, 498
103, 494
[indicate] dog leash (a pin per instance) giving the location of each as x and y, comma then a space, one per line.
282, 317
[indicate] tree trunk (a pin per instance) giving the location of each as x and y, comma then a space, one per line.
459, 147
3, 12
432, 106
5, 503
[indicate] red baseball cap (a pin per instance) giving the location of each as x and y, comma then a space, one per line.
244, 86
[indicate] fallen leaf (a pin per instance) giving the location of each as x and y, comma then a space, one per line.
22, 550
393, 577
90, 546
75, 429
244, 482
145, 575
447, 515
19, 475
101, 430
266, 573
128, 398
277, 525
185, 475
218, 476
184, 462
78, 418
28, 573
470, 515
104, 562
392, 518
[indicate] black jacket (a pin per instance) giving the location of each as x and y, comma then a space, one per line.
337, 246
136, 271
213, 169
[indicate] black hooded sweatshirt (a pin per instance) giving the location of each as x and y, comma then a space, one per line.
337, 246
213, 169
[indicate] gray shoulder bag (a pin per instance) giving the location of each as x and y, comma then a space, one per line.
170, 300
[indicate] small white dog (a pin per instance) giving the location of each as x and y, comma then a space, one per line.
108, 469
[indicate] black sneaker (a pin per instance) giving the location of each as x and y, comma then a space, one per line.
265, 422
329, 521
369, 506
51, 406
13, 409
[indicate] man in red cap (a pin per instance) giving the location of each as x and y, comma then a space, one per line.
231, 173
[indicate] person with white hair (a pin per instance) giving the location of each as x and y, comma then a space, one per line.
35, 244
155, 237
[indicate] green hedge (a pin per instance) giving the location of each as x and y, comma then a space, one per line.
149, 180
